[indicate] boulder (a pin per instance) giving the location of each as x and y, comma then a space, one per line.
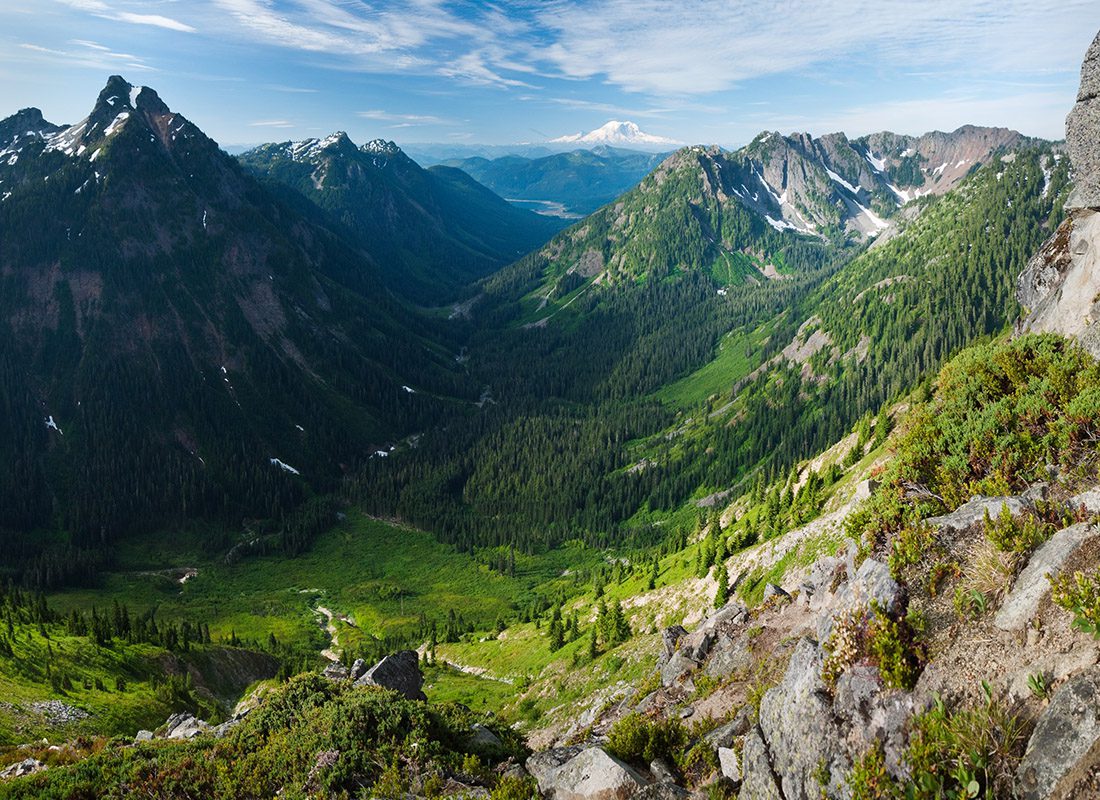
661, 772
1082, 143
400, 672
797, 723
1090, 500
184, 726
28, 766
760, 781
677, 667
143, 736
336, 671
774, 590
543, 764
729, 655
592, 774
871, 715
724, 735
358, 667
483, 740
730, 765
973, 512
1022, 603
670, 640
1065, 747
872, 584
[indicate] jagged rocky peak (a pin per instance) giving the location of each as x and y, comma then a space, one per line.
381, 147
26, 123
1060, 285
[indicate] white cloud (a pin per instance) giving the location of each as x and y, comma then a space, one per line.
101, 9
702, 46
271, 123
405, 119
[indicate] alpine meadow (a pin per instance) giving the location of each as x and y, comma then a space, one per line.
581, 400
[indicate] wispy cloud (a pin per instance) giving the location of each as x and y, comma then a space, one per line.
89, 54
271, 123
101, 9
406, 119
704, 46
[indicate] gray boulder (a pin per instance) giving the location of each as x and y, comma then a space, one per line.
724, 735
358, 667
1065, 747
677, 667
728, 656
592, 774
484, 740
730, 765
870, 714
1022, 603
28, 766
670, 640
760, 779
871, 585
184, 726
336, 671
973, 512
1082, 142
143, 736
774, 590
400, 672
797, 723
543, 764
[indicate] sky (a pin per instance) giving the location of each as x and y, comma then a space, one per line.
696, 71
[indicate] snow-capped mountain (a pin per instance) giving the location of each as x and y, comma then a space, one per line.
621, 134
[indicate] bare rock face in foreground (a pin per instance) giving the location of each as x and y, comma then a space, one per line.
1060, 288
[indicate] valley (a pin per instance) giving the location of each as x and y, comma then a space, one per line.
765, 472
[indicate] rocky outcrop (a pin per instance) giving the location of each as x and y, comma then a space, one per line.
1082, 141
184, 726
400, 672
1061, 284
28, 766
589, 774
1022, 603
1064, 750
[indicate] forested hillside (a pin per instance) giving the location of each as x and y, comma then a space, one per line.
428, 233
571, 440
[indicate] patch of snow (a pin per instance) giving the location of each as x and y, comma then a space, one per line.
5, 197
51, 424
116, 123
409, 389
381, 453
960, 163
722, 292
225, 371
204, 219
878, 163
841, 181
876, 220
284, 466
299, 427
95, 155
903, 194
134, 92
769, 189
908, 151
940, 168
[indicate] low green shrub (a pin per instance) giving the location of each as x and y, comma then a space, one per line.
1080, 595
638, 740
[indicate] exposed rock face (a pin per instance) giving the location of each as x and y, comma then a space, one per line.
1061, 284
1082, 141
1065, 747
400, 672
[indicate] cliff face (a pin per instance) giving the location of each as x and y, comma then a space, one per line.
1060, 288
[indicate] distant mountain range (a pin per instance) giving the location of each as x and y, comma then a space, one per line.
428, 232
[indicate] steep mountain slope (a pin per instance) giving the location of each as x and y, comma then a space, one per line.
811, 353
429, 232
580, 181
175, 341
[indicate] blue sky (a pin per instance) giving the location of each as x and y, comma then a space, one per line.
709, 71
